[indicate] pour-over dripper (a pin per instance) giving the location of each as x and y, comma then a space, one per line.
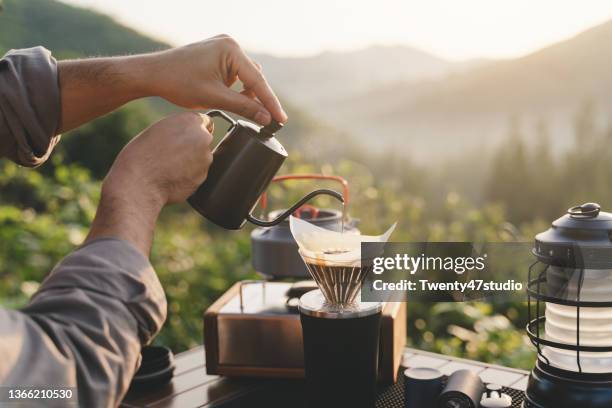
334, 260
339, 282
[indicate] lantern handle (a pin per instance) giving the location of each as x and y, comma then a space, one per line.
586, 210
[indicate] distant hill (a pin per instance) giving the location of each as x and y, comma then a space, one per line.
335, 75
68, 31
472, 109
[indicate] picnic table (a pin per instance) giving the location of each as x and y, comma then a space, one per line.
192, 387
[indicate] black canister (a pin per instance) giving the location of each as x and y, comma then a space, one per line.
340, 351
422, 387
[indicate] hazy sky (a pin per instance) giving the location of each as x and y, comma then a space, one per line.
456, 29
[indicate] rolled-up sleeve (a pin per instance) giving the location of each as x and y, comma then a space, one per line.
30, 107
85, 326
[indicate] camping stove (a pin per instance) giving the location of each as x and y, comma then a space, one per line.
254, 330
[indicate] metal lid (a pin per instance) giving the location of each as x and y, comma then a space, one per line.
272, 127
262, 135
579, 239
422, 374
314, 304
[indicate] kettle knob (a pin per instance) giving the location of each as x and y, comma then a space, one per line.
272, 127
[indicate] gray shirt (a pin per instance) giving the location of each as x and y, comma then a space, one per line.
85, 326
29, 106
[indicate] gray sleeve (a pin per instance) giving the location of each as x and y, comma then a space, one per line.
85, 326
30, 108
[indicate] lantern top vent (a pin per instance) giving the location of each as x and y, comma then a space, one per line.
582, 238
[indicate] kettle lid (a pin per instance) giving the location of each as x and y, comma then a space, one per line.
271, 128
264, 134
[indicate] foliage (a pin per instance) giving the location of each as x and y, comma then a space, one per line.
41, 219
476, 331
542, 182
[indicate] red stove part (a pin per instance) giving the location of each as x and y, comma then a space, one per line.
309, 176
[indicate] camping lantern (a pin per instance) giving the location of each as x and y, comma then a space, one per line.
572, 277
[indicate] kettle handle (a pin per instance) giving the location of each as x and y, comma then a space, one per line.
220, 114
288, 212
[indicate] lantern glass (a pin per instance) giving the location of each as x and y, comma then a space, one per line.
594, 324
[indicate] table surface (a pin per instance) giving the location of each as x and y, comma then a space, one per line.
192, 387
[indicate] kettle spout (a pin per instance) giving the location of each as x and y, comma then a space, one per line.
304, 200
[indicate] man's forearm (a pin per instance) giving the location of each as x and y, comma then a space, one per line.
126, 214
85, 326
94, 87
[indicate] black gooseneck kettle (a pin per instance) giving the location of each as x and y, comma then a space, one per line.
244, 163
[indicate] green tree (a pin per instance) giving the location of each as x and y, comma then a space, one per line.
509, 176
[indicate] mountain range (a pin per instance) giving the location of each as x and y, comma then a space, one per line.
451, 110
332, 76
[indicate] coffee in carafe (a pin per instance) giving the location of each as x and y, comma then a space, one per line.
340, 351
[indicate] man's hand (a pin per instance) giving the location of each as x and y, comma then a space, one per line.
197, 76
164, 164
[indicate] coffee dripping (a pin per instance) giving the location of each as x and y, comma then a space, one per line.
244, 163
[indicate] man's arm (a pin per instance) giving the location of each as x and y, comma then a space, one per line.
93, 87
40, 98
197, 76
85, 327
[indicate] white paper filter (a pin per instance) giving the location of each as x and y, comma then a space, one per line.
331, 247
334, 259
